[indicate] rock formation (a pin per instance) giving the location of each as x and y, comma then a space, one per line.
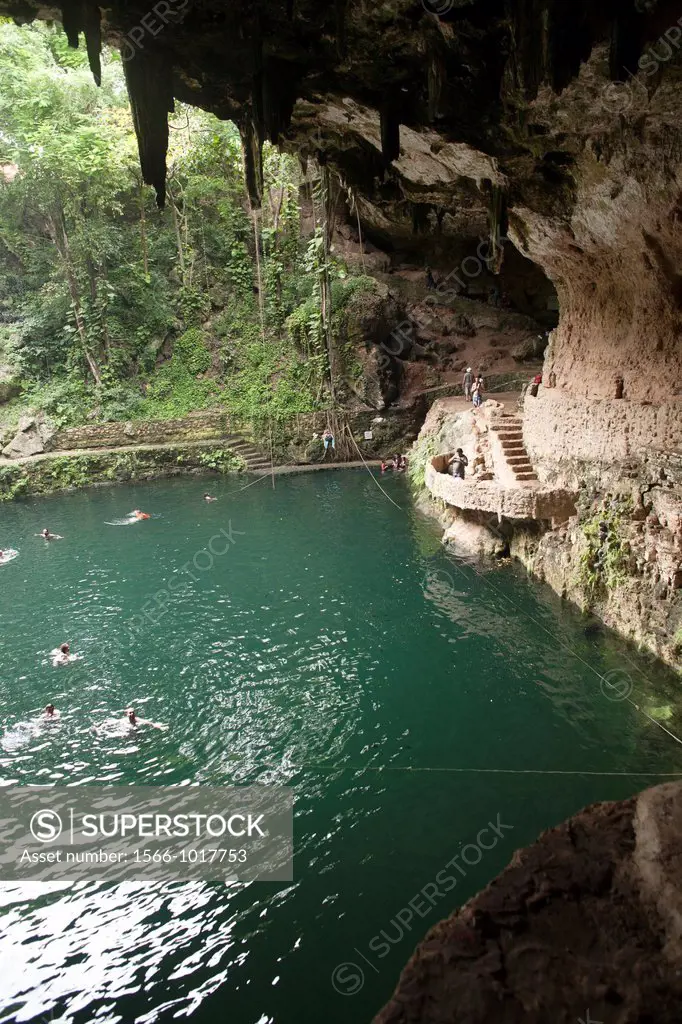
531, 148
582, 926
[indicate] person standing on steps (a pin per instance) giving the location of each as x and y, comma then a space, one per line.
328, 442
477, 392
467, 383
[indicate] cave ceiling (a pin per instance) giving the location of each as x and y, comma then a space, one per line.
453, 110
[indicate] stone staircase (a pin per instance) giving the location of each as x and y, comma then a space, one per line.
508, 430
256, 461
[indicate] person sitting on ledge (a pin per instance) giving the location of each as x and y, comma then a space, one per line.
458, 464
329, 443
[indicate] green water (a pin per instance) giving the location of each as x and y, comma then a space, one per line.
334, 646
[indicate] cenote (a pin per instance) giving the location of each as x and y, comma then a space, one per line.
409, 697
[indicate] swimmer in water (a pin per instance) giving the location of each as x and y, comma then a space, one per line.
61, 655
46, 535
208, 497
136, 514
51, 713
135, 722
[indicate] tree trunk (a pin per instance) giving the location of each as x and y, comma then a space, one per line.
57, 230
178, 234
143, 234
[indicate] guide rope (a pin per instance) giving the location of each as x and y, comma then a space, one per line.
370, 471
478, 771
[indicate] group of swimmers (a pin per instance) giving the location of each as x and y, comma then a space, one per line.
398, 464
132, 718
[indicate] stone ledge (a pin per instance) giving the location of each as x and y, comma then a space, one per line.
521, 503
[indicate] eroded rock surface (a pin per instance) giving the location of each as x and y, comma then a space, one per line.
583, 925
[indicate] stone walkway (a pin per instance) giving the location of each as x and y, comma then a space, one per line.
211, 443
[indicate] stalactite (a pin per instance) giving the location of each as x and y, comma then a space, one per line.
626, 42
72, 21
528, 20
93, 39
435, 78
278, 87
420, 218
149, 80
340, 17
390, 132
569, 42
499, 225
252, 148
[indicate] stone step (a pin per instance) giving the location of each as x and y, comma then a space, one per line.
513, 446
523, 477
517, 460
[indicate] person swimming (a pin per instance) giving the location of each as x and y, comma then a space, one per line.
209, 497
51, 713
46, 535
136, 514
135, 722
62, 655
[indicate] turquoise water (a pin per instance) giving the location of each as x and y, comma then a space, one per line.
335, 647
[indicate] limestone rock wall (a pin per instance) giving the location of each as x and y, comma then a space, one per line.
562, 431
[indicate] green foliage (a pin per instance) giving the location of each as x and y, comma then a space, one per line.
13, 483
421, 453
604, 562
190, 349
44, 476
221, 460
97, 286
64, 400
175, 392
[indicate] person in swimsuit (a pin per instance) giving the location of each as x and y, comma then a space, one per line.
46, 535
61, 655
51, 713
136, 514
209, 497
135, 722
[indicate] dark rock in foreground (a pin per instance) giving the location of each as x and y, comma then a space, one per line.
585, 925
